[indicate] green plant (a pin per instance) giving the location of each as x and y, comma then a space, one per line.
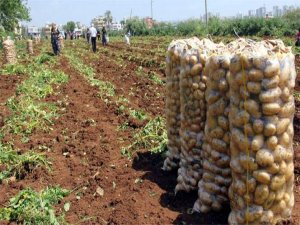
140, 115
13, 69
18, 165
153, 137
44, 57
31, 208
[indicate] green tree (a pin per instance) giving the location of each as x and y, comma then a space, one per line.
11, 12
70, 26
108, 17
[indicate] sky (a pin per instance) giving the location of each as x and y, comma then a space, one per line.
61, 11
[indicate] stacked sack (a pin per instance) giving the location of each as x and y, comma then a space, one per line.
30, 47
10, 56
213, 186
261, 123
61, 42
173, 104
193, 113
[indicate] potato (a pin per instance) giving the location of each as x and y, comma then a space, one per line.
219, 145
223, 85
252, 107
257, 143
235, 64
254, 212
254, 87
272, 142
287, 110
255, 75
223, 123
258, 126
239, 138
262, 176
248, 162
196, 69
261, 194
270, 109
271, 95
269, 129
277, 182
270, 83
272, 68
270, 200
217, 75
212, 96
241, 118
264, 158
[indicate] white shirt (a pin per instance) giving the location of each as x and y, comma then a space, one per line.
93, 32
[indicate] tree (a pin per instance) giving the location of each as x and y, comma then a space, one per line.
108, 17
70, 26
11, 12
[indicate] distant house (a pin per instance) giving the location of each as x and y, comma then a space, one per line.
33, 31
116, 26
99, 22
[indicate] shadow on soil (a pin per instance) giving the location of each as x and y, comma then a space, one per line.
182, 202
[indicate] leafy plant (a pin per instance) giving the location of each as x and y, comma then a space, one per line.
18, 165
31, 208
140, 115
153, 137
13, 69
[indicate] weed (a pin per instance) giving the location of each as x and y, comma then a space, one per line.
152, 137
45, 57
18, 165
30, 207
140, 115
297, 96
13, 69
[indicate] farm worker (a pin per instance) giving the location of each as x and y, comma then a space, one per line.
104, 36
93, 33
98, 35
298, 38
88, 35
55, 39
127, 40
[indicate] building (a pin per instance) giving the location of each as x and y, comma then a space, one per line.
33, 31
116, 26
239, 15
261, 12
99, 22
251, 13
277, 12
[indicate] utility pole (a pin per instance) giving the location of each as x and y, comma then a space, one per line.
151, 9
206, 16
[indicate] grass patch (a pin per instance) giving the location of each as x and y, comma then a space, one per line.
13, 69
153, 137
18, 165
31, 208
28, 115
140, 115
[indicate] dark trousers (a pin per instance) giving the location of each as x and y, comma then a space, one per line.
55, 47
94, 43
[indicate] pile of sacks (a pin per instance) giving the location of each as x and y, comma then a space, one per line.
236, 127
30, 47
9, 50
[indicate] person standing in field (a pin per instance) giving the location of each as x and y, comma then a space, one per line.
88, 35
298, 38
55, 40
104, 36
93, 33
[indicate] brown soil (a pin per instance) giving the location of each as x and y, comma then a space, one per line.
84, 147
8, 85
